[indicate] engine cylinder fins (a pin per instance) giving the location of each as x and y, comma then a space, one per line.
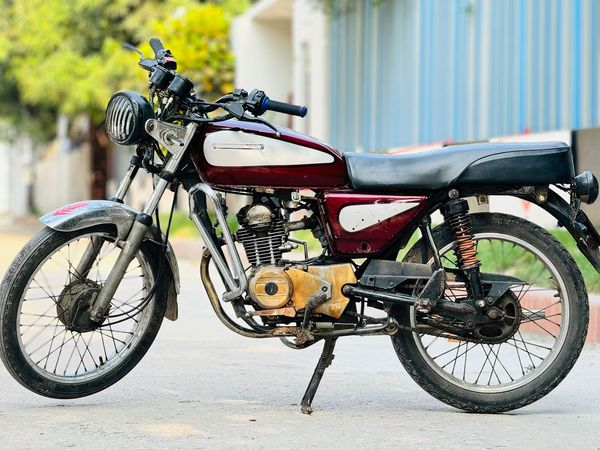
271, 287
265, 247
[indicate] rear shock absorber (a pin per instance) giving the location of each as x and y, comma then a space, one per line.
455, 213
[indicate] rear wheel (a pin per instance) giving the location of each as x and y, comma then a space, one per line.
549, 330
47, 341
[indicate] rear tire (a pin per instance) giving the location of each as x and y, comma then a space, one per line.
453, 391
38, 377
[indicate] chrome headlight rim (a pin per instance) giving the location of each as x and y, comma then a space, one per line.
126, 116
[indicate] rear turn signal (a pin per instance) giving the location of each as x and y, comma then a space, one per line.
586, 187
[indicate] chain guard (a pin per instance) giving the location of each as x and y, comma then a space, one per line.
431, 331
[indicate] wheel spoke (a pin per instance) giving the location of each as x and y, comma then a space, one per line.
529, 353
56, 290
492, 364
487, 358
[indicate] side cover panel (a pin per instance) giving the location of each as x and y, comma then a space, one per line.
359, 225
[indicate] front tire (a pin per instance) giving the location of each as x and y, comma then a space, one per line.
41, 344
544, 350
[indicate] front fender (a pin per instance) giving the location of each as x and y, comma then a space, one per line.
80, 215
89, 213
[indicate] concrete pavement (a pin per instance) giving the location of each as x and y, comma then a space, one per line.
200, 386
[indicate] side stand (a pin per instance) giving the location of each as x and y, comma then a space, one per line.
324, 362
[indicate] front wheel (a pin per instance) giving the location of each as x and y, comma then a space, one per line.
551, 305
47, 341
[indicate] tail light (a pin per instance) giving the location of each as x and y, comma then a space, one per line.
586, 187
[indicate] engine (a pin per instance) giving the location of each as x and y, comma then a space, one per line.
262, 233
284, 290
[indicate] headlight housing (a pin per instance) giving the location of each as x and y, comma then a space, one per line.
126, 116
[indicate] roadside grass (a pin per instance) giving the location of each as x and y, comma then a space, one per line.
183, 227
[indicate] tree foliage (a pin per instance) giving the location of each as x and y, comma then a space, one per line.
336, 8
202, 56
66, 55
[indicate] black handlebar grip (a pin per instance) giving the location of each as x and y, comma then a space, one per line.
156, 45
286, 108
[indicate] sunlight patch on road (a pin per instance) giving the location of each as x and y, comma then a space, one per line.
174, 430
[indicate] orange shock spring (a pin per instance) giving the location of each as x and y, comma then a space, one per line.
455, 214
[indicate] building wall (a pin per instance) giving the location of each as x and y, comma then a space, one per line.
588, 158
61, 177
16, 155
418, 71
262, 47
282, 47
310, 50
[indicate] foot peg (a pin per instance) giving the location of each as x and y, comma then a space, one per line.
324, 362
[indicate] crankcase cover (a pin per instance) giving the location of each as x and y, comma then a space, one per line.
270, 287
308, 281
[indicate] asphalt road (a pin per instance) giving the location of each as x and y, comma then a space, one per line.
200, 386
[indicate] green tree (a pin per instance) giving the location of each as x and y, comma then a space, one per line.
66, 56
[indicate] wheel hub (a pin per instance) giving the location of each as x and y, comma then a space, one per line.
74, 305
505, 317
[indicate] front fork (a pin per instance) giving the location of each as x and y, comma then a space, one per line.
93, 249
169, 136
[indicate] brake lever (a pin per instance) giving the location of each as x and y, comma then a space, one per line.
263, 121
237, 110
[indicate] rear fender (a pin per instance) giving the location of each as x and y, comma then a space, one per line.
90, 213
574, 220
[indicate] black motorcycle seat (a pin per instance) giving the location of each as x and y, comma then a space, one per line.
508, 163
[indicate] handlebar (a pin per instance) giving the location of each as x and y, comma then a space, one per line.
285, 108
156, 45
163, 77
163, 55
256, 102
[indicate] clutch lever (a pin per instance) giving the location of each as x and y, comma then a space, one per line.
145, 63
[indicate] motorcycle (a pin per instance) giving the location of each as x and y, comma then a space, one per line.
486, 311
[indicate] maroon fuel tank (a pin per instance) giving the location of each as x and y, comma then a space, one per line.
234, 154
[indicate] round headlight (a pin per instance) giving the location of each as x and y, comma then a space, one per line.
126, 116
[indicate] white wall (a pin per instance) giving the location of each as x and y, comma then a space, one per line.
281, 47
310, 40
262, 48
61, 177
15, 177
588, 158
